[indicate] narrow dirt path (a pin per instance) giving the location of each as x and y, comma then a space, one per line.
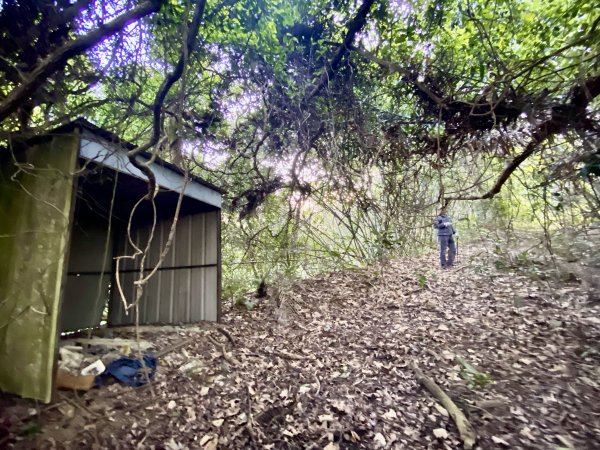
326, 363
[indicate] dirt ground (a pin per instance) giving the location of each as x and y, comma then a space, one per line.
328, 363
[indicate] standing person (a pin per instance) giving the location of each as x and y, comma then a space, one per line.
445, 232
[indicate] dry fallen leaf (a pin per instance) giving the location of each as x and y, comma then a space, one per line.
356, 380
206, 438
526, 431
440, 433
390, 414
326, 418
191, 414
443, 411
379, 441
448, 355
498, 440
304, 389
174, 445
212, 445
355, 437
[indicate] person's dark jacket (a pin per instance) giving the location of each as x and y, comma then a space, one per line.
443, 225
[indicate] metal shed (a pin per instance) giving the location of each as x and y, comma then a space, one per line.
71, 206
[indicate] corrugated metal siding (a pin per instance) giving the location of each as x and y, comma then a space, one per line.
185, 289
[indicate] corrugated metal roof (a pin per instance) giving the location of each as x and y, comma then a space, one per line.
109, 137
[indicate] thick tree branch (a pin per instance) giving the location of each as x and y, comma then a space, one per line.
167, 84
58, 59
10, 71
564, 117
460, 117
354, 27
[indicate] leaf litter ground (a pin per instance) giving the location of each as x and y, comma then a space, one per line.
326, 363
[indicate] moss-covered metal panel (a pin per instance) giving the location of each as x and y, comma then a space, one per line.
35, 213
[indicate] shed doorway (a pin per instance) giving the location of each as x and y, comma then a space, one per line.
61, 234
110, 222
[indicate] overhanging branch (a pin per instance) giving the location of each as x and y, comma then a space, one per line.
58, 59
460, 117
354, 27
571, 115
167, 84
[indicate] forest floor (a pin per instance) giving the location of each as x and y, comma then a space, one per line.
328, 363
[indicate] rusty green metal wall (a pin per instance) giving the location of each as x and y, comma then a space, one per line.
35, 210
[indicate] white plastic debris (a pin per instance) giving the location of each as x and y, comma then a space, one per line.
95, 368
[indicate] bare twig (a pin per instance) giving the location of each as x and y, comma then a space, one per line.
78, 405
250, 421
397, 68
175, 346
230, 359
291, 356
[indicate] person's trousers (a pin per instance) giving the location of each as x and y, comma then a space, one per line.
447, 246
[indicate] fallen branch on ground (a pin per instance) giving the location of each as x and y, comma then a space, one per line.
226, 333
230, 359
287, 355
175, 347
250, 421
466, 431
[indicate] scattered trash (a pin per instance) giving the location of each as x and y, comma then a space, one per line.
193, 367
70, 358
88, 362
96, 368
105, 345
130, 371
67, 380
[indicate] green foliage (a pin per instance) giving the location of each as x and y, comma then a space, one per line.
474, 378
353, 174
30, 429
422, 281
479, 380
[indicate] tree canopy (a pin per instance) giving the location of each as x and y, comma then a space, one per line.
369, 110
